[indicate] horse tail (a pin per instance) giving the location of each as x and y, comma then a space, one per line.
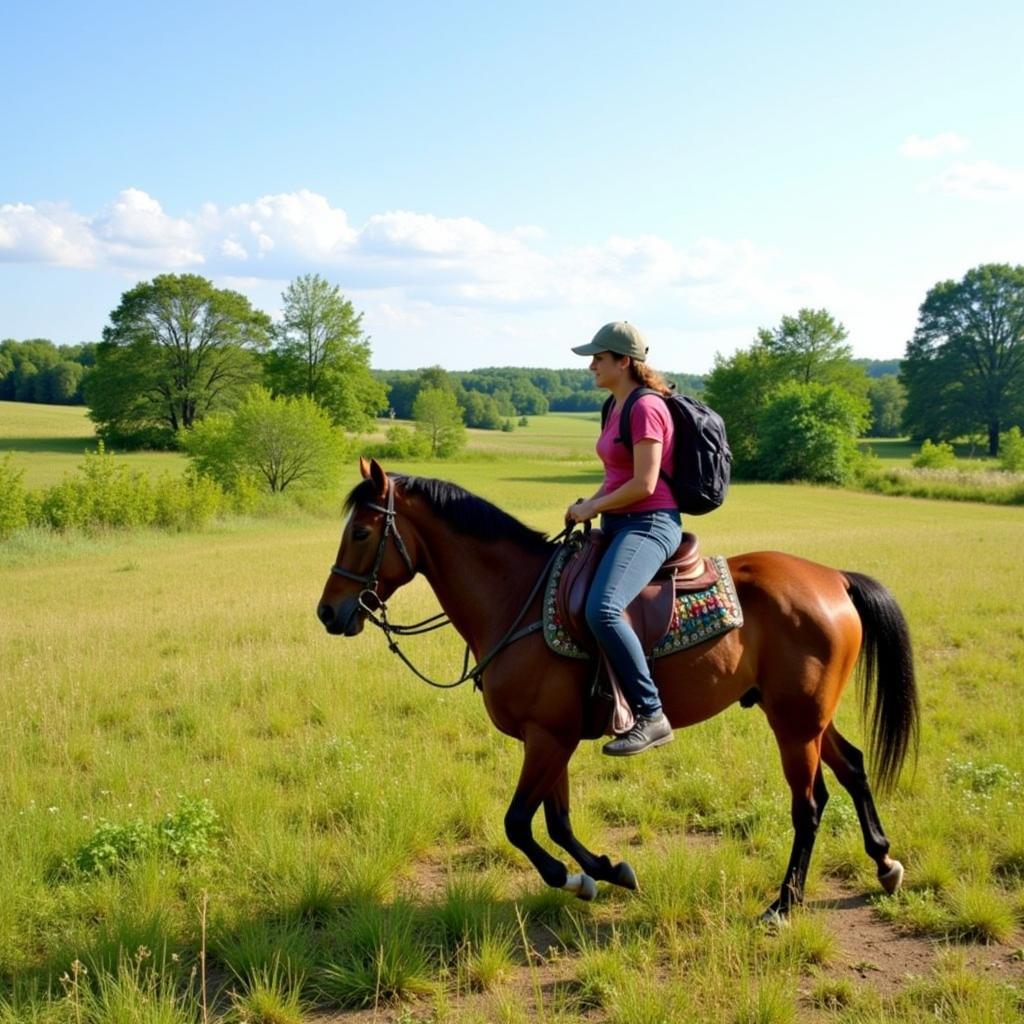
889, 690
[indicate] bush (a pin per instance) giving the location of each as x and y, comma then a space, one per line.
1011, 450
282, 442
186, 502
105, 493
934, 456
13, 506
808, 432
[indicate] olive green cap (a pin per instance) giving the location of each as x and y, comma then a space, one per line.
619, 337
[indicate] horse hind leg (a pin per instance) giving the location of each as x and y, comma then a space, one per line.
848, 764
598, 867
802, 768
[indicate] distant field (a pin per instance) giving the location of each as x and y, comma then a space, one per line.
48, 441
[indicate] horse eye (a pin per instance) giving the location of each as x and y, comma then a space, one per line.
361, 532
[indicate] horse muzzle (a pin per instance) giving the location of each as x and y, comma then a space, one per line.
348, 620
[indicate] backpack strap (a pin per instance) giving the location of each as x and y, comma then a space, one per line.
625, 427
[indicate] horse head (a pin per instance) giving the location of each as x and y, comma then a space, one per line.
373, 560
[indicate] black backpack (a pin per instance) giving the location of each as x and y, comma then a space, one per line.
701, 457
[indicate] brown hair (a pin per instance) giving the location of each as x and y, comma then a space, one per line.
646, 376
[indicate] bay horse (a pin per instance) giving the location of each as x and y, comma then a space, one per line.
805, 627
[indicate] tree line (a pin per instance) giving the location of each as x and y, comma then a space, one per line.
179, 351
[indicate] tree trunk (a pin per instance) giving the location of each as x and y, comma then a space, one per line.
993, 438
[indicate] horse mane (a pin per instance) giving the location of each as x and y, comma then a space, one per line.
466, 513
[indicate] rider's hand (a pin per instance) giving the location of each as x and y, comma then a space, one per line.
580, 512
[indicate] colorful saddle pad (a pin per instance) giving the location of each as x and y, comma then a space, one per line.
697, 617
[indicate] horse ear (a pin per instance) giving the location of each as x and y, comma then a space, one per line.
379, 477
364, 467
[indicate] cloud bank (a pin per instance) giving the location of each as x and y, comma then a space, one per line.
456, 261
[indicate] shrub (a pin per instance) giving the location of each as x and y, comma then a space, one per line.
1011, 450
281, 442
808, 432
185, 502
13, 510
934, 456
105, 493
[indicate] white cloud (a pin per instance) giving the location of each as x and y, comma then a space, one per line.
918, 147
414, 272
982, 179
48, 233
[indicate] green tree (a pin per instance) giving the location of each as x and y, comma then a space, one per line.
439, 419
176, 349
738, 389
811, 347
964, 367
321, 353
888, 398
281, 442
753, 391
809, 432
480, 410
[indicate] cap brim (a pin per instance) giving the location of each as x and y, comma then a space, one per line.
589, 349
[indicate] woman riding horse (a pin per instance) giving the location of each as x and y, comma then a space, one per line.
639, 518
804, 627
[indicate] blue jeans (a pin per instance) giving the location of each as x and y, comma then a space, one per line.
639, 543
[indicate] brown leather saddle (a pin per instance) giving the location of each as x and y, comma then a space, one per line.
650, 614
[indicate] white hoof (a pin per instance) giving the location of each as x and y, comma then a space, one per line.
892, 879
773, 920
582, 886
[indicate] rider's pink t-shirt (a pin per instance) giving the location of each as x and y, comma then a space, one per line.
649, 420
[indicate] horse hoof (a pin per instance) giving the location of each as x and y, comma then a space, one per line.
893, 878
624, 876
774, 920
587, 890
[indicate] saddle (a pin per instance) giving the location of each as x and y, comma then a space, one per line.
650, 613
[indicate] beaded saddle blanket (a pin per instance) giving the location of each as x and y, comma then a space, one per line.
696, 616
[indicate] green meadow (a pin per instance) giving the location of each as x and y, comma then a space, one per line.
213, 810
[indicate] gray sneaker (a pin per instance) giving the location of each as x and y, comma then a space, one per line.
646, 733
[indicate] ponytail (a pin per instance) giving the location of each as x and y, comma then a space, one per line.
646, 376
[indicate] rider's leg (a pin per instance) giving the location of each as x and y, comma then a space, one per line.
639, 544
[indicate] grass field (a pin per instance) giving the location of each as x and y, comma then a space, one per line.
193, 771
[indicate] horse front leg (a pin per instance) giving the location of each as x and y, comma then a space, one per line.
544, 760
801, 764
598, 867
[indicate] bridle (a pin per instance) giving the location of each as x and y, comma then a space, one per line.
372, 578
374, 607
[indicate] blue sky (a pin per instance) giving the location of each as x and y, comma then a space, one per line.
491, 185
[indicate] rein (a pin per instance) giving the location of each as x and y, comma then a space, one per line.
373, 606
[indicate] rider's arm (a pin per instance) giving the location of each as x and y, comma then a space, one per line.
646, 469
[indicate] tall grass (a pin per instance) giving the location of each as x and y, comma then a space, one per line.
359, 856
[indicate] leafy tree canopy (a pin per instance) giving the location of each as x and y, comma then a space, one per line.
36, 370
439, 419
176, 349
801, 369
321, 352
964, 367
